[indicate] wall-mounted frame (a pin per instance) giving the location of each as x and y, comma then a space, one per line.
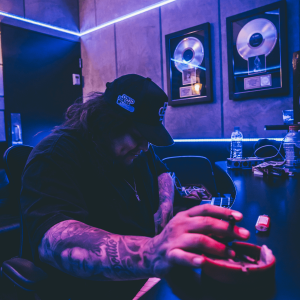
257, 52
189, 65
296, 86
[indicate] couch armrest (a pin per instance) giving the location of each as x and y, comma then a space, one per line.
23, 273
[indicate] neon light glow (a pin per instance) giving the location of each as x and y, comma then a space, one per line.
147, 8
221, 140
274, 12
186, 63
137, 12
258, 73
38, 23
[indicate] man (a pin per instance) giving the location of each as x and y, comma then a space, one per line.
97, 201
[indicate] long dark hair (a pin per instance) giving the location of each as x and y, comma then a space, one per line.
93, 117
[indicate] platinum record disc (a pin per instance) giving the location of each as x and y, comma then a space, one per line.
257, 37
188, 54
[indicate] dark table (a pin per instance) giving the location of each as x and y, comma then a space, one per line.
277, 197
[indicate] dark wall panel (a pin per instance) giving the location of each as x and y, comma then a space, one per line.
251, 115
98, 59
143, 57
134, 52
15, 7
198, 120
37, 71
61, 13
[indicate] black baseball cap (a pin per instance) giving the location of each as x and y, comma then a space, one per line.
144, 102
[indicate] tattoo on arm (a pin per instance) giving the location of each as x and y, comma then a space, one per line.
91, 253
166, 198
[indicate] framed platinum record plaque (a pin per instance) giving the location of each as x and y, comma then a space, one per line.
189, 65
257, 52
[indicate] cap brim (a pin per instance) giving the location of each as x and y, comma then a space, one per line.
155, 134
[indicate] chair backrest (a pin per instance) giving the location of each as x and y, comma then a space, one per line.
193, 170
15, 158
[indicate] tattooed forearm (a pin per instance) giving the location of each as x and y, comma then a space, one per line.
166, 198
91, 253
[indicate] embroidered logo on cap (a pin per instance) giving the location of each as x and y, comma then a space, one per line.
126, 102
162, 111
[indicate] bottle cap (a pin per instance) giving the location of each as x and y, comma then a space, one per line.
294, 127
236, 128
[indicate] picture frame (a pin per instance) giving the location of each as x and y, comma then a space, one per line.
188, 61
257, 52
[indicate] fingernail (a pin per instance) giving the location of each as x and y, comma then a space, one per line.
244, 232
198, 261
237, 215
230, 253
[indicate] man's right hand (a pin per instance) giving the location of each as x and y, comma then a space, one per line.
188, 235
95, 254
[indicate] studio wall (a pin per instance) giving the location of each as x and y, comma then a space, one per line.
137, 45
60, 13
252, 115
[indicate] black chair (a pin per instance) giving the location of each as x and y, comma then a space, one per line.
193, 170
15, 158
9, 221
19, 270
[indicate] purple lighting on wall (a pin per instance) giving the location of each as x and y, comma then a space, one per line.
221, 140
2, 13
137, 12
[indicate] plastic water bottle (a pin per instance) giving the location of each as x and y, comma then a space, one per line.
236, 150
291, 145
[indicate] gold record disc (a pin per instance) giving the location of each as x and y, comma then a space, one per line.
257, 37
188, 54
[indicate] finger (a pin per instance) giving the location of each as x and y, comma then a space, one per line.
214, 211
219, 228
223, 240
183, 258
203, 243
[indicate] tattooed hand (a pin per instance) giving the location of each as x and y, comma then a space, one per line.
188, 235
92, 253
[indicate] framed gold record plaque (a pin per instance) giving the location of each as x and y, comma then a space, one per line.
189, 66
257, 52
